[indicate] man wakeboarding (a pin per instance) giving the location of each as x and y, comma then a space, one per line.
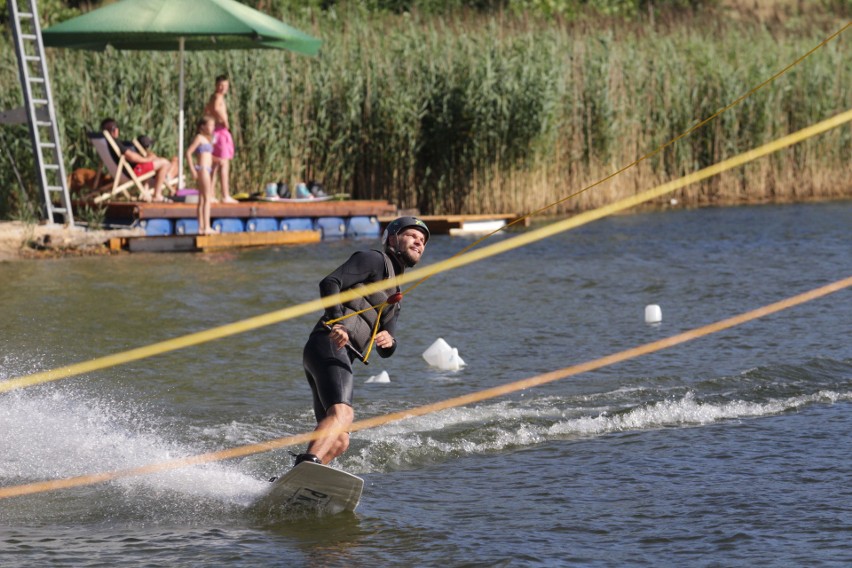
347, 330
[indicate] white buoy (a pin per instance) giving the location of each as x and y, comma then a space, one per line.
442, 356
382, 377
653, 314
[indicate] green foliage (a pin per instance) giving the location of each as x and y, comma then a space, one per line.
565, 8
92, 216
50, 11
629, 9
839, 7
376, 6
458, 114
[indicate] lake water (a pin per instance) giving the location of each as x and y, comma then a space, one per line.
731, 450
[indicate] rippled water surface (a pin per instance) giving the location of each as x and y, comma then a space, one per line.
730, 450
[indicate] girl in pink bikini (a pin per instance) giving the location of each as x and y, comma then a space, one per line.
202, 172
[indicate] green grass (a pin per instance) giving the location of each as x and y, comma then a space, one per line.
477, 114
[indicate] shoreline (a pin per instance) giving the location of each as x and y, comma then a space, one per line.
20, 240
24, 241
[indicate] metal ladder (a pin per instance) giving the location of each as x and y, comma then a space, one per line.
38, 106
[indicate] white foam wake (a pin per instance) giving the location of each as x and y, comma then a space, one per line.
58, 434
512, 425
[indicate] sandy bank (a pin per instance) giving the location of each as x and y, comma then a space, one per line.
19, 240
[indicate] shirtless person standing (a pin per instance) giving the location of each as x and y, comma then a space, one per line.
223, 144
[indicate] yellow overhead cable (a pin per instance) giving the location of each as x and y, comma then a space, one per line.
426, 271
479, 396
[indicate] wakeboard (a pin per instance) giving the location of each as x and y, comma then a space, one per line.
313, 488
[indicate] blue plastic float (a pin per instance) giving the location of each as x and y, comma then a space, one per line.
261, 225
156, 227
296, 224
229, 225
331, 227
362, 227
186, 227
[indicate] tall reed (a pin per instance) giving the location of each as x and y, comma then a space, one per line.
477, 114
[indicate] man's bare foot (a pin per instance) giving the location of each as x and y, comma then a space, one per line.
229, 199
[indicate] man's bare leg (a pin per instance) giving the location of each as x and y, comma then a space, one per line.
224, 176
335, 428
162, 166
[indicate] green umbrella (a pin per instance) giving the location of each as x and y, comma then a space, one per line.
178, 25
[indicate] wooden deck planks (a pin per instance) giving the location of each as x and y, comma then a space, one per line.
132, 211
197, 243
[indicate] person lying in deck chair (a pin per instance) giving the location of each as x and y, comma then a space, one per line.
142, 163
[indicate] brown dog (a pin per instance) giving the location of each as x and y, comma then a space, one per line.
84, 178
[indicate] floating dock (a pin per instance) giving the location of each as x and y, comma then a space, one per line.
332, 218
173, 227
133, 210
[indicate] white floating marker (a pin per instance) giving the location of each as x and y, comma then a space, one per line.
442, 356
382, 377
653, 314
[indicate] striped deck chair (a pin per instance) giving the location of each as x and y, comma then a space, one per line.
124, 178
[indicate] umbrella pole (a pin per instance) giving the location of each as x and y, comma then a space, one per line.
180, 120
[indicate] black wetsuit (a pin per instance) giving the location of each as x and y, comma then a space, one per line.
328, 369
